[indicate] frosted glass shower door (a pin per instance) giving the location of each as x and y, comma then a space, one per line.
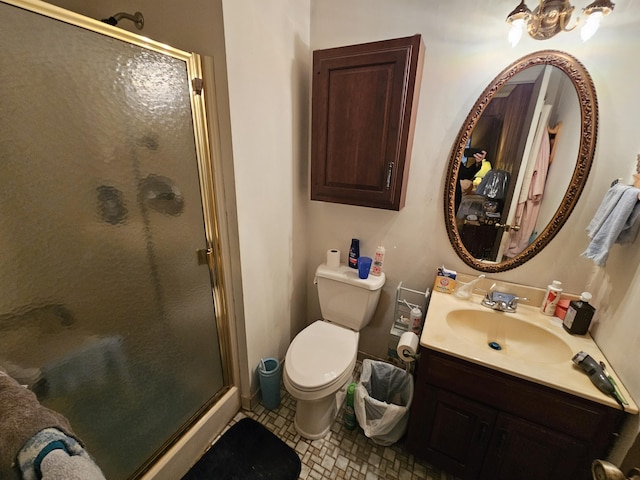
105, 310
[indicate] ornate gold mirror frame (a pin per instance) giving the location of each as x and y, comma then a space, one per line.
588, 102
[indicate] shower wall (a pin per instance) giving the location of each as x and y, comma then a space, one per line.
105, 310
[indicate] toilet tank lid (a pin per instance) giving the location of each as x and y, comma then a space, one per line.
349, 275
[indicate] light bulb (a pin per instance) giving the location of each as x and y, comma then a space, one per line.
515, 34
591, 26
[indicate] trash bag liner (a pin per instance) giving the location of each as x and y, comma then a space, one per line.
382, 401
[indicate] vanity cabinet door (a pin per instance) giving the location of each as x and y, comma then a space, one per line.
455, 431
363, 108
478, 423
527, 451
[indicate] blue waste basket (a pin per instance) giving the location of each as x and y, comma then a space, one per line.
270, 373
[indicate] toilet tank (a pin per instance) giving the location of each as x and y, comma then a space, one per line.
346, 299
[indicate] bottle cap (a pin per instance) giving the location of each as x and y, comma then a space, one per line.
557, 284
585, 297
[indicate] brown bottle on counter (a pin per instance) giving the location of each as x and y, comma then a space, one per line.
579, 315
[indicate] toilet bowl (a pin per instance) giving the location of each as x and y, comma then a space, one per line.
320, 361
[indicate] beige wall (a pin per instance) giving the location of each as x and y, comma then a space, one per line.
283, 235
463, 54
267, 58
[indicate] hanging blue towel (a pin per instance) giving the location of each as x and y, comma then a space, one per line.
615, 221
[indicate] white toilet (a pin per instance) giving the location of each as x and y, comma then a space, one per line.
321, 358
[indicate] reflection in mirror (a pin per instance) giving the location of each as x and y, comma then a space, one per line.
520, 161
516, 128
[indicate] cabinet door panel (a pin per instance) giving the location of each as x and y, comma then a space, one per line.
526, 451
525, 442
583, 419
459, 432
363, 105
357, 138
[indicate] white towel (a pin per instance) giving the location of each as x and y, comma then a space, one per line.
615, 221
59, 465
52, 455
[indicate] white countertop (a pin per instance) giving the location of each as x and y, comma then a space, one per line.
518, 358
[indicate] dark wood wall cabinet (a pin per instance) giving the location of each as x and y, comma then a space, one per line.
477, 423
364, 103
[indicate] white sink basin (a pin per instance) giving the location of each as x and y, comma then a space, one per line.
528, 344
509, 335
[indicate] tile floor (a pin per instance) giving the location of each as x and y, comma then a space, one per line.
342, 454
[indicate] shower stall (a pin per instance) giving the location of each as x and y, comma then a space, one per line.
111, 307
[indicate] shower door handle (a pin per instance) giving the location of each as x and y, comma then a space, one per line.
204, 254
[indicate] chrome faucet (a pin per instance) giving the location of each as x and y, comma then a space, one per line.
502, 302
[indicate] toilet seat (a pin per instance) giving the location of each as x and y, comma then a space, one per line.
321, 355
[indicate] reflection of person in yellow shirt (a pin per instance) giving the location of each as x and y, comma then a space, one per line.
468, 174
484, 168
471, 174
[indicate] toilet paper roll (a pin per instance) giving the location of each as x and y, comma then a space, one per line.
408, 346
333, 258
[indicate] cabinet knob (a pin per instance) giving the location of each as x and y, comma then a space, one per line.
480, 438
503, 437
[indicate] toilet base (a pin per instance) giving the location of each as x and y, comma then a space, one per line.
314, 418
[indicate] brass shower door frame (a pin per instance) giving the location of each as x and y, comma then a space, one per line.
211, 253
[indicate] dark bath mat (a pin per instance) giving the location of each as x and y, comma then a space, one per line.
247, 451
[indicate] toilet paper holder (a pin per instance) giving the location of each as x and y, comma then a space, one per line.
408, 348
415, 356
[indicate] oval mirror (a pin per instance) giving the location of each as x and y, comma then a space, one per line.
533, 132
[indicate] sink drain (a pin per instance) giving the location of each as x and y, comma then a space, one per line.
495, 345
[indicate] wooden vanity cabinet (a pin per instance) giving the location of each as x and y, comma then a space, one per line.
364, 103
477, 423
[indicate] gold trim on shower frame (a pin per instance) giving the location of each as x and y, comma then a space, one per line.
97, 26
214, 256
206, 179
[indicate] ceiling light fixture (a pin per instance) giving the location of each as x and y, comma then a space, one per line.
551, 17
